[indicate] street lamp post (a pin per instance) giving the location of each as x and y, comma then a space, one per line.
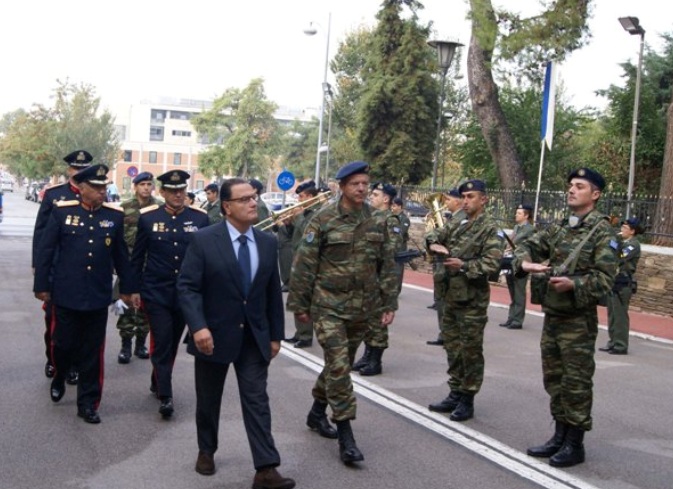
633, 27
310, 31
445, 52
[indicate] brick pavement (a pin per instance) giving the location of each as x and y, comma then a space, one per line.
642, 324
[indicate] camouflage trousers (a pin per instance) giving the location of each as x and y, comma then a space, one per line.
339, 339
377, 336
463, 334
568, 366
133, 323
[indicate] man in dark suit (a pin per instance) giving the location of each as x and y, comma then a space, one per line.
229, 291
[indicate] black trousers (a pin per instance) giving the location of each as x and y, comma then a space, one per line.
166, 327
78, 338
48, 309
251, 374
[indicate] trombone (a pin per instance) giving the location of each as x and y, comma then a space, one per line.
283, 214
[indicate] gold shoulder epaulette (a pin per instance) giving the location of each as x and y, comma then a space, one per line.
198, 209
67, 203
149, 208
109, 205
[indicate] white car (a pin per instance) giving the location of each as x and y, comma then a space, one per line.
274, 200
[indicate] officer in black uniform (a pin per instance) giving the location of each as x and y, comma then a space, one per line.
77, 160
164, 231
80, 246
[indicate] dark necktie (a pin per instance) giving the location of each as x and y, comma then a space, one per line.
244, 262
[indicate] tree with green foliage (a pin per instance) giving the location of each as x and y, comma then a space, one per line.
527, 42
247, 135
396, 116
35, 142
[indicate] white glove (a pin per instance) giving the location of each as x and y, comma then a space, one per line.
118, 307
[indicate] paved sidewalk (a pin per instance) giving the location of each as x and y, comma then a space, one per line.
643, 324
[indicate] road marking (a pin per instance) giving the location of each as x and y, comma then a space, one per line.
507, 457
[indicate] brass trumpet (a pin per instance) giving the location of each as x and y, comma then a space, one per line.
435, 218
283, 214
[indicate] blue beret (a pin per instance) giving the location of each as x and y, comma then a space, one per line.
174, 179
454, 192
526, 207
352, 168
386, 188
212, 187
94, 174
471, 185
144, 176
79, 159
304, 186
634, 223
590, 175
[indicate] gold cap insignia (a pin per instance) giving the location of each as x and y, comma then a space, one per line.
101, 172
80, 156
175, 177
469, 185
581, 172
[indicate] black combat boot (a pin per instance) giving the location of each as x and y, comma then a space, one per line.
125, 353
465, 408
553, 445
317, 420
572, 451
348, 450
364, 360
140, 349
373, 367
447, 404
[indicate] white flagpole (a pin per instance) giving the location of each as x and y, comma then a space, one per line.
539, 182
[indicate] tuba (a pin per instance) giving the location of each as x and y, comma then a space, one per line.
435, 218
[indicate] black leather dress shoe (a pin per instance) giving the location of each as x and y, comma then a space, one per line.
291, 339
605, 348
505, 324
269, 478
72, 378
436, 342
57, 390
205, 465
49, 370
514, 326
433, 306
89, 415
166, 408
303, 343
618, 352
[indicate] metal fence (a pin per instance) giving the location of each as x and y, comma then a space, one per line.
552, 206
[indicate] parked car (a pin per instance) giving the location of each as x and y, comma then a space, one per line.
413, 208
7, 185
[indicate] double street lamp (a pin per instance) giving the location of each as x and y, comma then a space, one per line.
633, 27
325, 87
445, 52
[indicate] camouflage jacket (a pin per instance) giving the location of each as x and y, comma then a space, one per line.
478, 244
439, 235
394, 224
406, 226
629, 255
214, 211
131, 215
300, 223
594, 271
344, 266
522, 232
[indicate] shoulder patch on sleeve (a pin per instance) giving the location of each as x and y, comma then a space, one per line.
67, 203
109, 205
149, 208
614, 244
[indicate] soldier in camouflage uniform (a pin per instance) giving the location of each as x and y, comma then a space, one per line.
517, 285
303, 336
472, 251
212, 205
134, 323
454, 205
263, 211
582, 265
624, 287
397, 207
343, 278
376, 339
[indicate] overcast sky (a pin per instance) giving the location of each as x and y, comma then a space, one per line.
134, 50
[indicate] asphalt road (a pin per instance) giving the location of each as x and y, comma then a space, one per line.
44, 445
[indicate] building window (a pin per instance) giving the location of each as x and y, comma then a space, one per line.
181, 115
153, 156
126, 184
176, 158
156, 133
128, 155
158, 115
182, 133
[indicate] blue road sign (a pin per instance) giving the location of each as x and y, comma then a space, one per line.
285, 180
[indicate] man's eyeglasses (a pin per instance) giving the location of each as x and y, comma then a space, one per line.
243, 200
